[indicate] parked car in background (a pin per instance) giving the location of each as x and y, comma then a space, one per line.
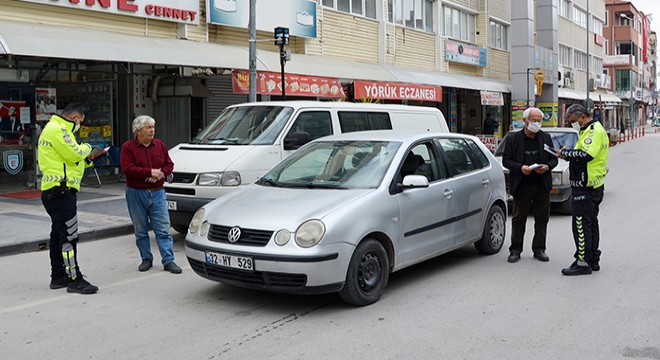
344, 211
560, 195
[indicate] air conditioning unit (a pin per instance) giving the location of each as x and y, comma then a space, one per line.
567, 82
560, 78
592, 84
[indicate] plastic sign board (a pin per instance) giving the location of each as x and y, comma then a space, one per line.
297, 15
396, 91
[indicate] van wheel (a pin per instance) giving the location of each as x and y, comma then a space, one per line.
367, 274
182, 229
494, 232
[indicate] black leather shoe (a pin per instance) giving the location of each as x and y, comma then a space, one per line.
576, 269
514, 256
173, 268
59, 282
541, 255
145, 265
81, 286
595, 266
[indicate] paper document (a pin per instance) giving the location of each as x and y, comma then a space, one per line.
96, 152
535, 166
550, 149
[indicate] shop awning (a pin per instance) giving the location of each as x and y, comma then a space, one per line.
48, 41
571, 94
329, 67
448, 79
605, 97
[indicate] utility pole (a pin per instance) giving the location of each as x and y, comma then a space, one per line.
252, 28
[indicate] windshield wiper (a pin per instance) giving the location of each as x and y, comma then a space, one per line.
325, 186
263, 181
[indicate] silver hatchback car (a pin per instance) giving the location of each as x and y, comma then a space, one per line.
343, 212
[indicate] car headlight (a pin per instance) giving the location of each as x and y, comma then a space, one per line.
231, 178
556, 178
209, 179
282, 237
310, 233
196, 221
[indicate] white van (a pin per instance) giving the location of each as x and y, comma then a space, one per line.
247, 140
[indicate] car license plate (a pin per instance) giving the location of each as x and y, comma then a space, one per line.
230, 261
171, 205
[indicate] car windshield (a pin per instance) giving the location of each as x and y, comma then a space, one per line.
334, 165
559, 139
563, 139
246, 125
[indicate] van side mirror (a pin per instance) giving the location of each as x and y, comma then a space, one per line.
295, 140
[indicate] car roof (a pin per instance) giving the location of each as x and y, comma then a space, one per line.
339, 105
406, 136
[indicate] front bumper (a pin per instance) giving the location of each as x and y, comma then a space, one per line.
185, 208
318, 273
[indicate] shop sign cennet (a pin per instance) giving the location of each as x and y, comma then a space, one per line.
167, 10
270, 83
396, 91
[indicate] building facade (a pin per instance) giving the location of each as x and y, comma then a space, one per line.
183, 62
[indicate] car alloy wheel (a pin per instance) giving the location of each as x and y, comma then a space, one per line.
492, 239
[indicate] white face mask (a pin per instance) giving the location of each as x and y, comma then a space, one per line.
76, 127
576, 126
534, 126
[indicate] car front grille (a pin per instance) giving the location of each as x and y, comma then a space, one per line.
183, 178
249, 237
255, 278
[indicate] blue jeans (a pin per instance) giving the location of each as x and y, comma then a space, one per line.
146, 206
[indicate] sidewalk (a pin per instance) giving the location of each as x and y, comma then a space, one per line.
25, 225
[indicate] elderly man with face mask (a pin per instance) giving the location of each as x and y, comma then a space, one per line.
530, 182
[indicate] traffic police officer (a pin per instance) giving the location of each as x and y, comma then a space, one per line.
62, 162
588, 161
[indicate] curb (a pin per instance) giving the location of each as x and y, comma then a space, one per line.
42, 244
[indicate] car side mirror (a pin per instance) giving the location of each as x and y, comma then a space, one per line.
295, 140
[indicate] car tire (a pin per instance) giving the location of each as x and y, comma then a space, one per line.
494, 233
182, 229
367, 274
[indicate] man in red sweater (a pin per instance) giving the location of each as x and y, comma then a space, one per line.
146, 163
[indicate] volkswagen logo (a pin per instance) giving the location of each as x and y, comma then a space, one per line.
234, 234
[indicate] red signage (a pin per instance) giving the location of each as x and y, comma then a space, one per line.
599, 39
396, 91
270, 83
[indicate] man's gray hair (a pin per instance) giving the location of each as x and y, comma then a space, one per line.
578, 110
529, 110
141, 121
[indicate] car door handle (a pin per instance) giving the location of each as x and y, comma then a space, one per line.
448, 193
485, 182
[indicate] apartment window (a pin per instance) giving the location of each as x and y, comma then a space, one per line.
580, 60
622, 80
564, 9
498, 36
596, 65
580, 17
564, 55
607, 18
459, 25
597, 26
415, 14
366, 8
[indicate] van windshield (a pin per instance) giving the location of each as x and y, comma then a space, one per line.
246, 125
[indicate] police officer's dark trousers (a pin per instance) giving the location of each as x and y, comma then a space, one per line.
60, 204
586, 233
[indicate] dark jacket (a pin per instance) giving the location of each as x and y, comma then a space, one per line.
514, 155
